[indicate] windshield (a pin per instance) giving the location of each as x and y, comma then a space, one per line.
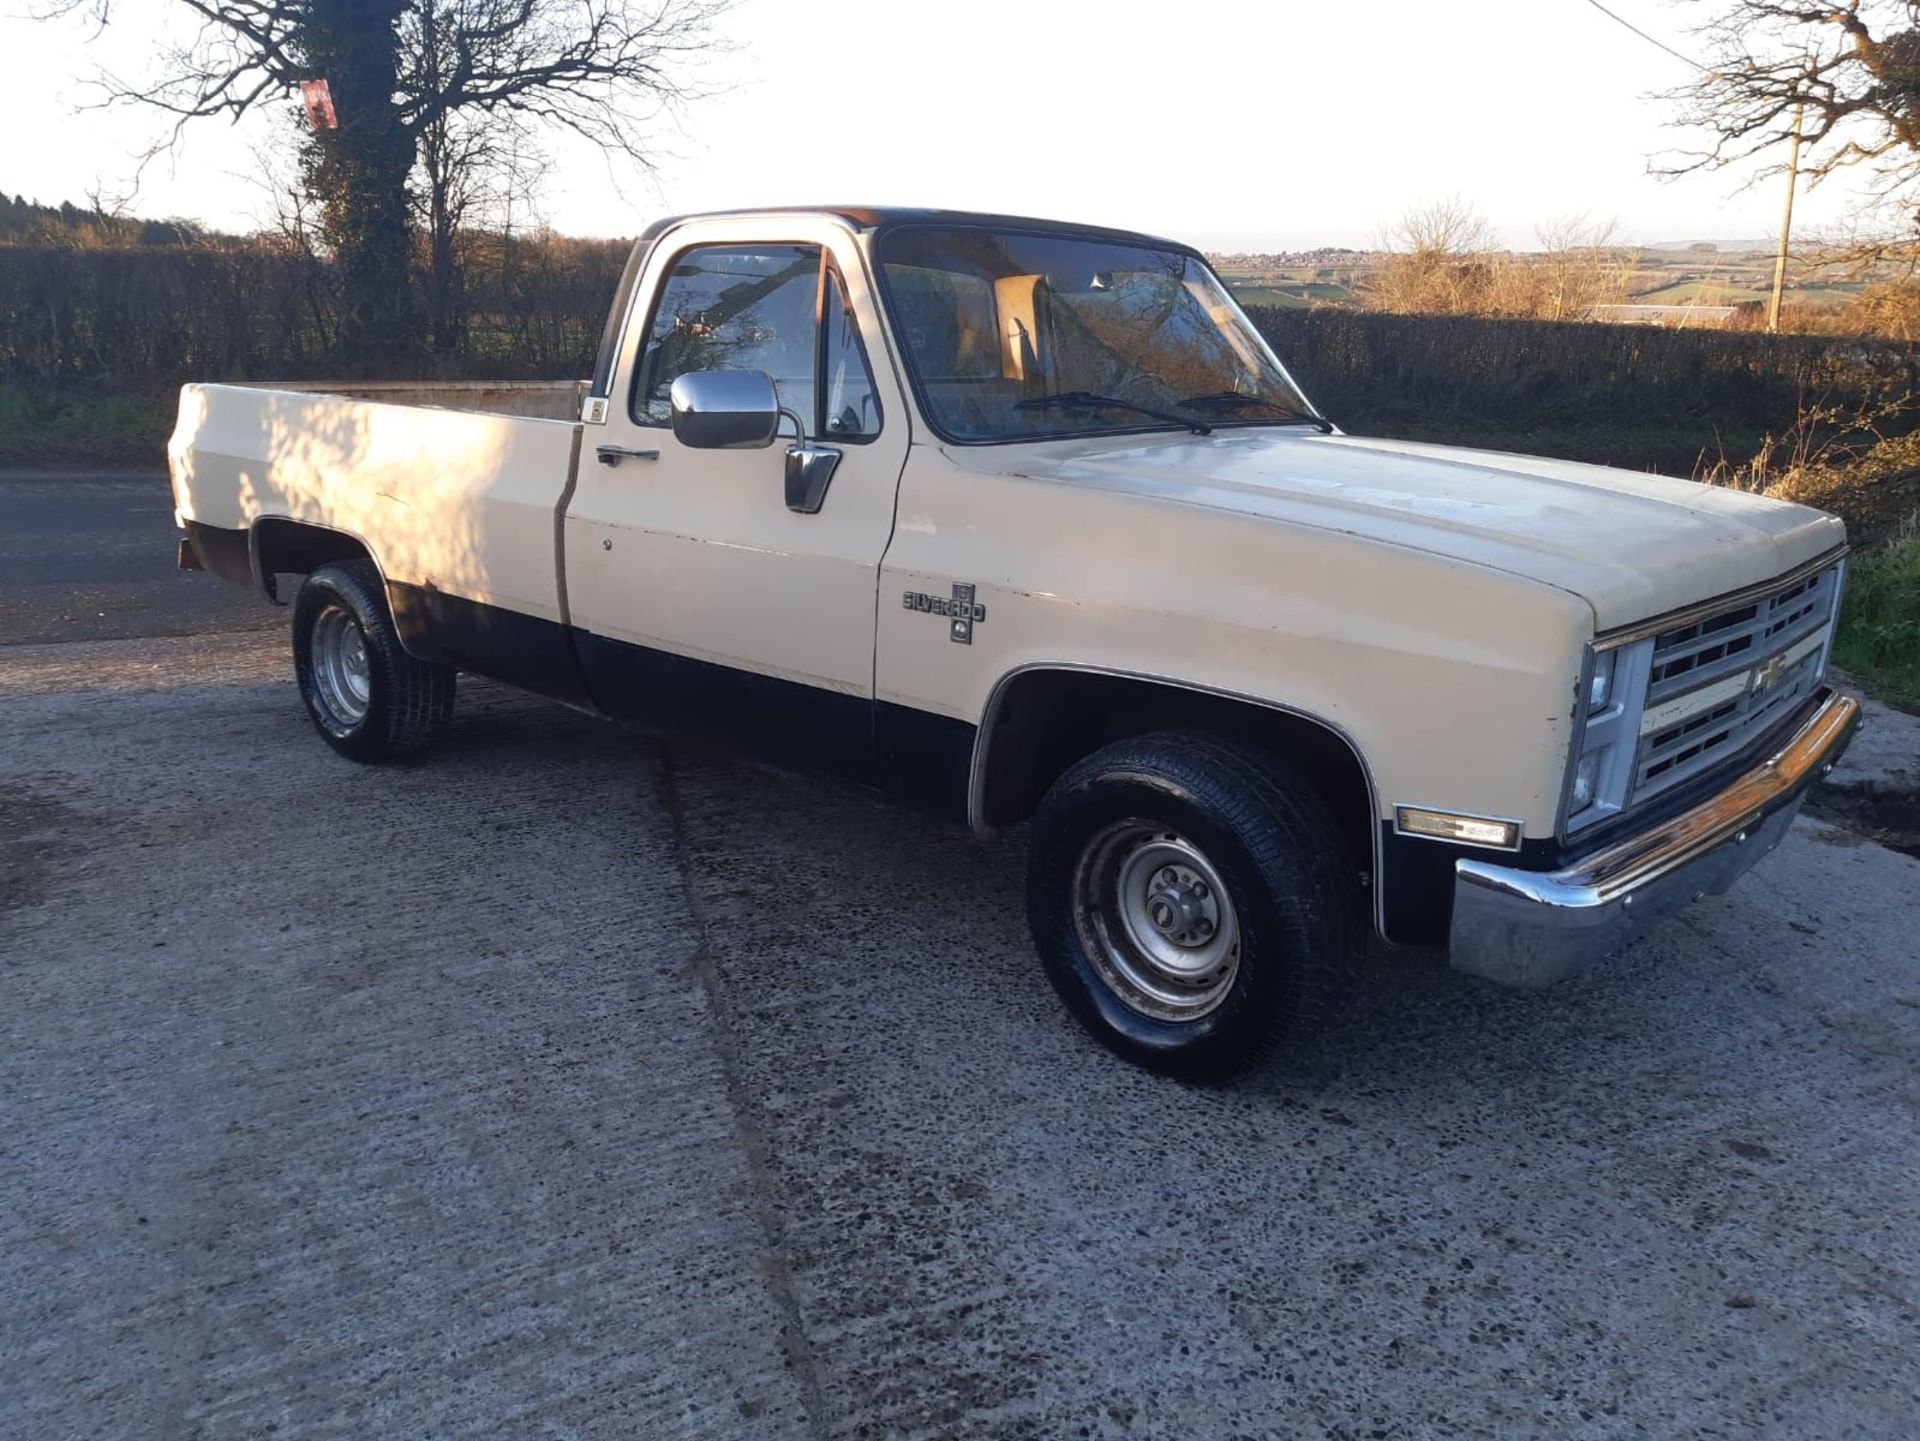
1019, 336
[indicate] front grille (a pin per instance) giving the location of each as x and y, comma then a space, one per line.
1720, 682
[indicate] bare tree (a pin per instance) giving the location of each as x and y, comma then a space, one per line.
1845, 73
1888, 309
422, 83
461, 160
1442, 259
1581, 264
1439, 261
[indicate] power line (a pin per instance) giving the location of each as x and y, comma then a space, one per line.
1622, 20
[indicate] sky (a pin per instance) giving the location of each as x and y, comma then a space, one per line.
1231, 124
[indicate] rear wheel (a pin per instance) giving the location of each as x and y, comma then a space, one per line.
368, 698
1191, 900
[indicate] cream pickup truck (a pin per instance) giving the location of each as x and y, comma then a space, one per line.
1013, 520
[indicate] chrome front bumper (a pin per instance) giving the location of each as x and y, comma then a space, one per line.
1532, 928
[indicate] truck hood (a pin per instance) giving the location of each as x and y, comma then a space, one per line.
1631, 545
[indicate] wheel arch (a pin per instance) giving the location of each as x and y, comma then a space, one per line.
1042, 717
281, 545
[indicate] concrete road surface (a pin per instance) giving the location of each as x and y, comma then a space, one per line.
566, 1085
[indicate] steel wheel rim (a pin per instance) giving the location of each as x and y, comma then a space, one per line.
1157, 921
340, 669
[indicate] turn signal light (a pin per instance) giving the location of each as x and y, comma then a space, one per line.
1445, 826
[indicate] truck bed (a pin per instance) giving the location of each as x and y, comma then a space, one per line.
458, 498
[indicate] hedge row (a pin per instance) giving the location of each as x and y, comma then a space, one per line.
145, 320
1360, 365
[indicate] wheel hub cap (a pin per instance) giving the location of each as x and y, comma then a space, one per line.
1157, 921
341, 672
1182, 908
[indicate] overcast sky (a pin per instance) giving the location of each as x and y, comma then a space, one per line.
1235, 124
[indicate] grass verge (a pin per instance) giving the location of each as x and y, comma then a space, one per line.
48, 430
1879, 635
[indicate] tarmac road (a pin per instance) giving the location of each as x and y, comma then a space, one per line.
569, 1085
93, 557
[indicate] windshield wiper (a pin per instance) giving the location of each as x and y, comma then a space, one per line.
1087, 400
1234, 400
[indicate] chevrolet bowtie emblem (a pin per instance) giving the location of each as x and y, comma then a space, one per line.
963, 612
1768, 675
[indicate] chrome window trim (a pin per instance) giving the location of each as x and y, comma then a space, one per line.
977, 768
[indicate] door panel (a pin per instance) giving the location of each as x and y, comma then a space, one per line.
707, 604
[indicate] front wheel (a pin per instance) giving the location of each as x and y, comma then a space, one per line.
1190, 900
368, 698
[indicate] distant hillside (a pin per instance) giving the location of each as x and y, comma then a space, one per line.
1729, 247
1289, 259
28, 222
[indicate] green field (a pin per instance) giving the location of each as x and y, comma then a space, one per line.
1695, 292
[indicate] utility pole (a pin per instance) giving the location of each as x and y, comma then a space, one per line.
1786, 216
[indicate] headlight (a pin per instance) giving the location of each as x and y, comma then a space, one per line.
1600, 688
1585, 773
1606, 732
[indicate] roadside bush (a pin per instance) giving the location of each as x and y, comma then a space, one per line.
1879, 634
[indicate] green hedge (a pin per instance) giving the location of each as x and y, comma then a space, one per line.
1365, 368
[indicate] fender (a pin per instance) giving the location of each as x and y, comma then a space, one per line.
978, 823
320, 553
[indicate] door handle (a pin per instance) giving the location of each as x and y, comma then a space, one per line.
614, 454
809, 472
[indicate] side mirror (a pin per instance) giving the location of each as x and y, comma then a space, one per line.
725, 409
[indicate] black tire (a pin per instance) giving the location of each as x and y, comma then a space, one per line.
396, 705
1271, 841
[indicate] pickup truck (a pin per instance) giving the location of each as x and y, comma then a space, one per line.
1017, 521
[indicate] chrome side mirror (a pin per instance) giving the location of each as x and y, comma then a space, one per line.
725, 409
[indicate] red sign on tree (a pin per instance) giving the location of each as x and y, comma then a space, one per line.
319, 102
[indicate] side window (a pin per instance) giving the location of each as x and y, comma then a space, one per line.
732, 307
850, 405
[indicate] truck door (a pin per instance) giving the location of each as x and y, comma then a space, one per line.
702, 603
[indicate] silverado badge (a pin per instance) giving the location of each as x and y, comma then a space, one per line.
963, 611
